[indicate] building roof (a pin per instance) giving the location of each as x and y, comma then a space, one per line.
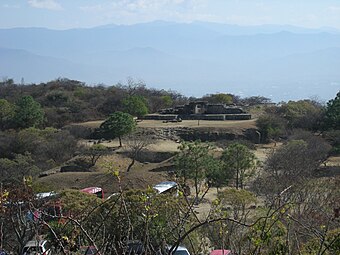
92, 190
35, 243
164, 186
45, 194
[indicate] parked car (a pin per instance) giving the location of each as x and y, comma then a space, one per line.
88, 250
221, 252
37, 247
167, 187
173, 120
97, 191
3, 252
181, 250
135, 247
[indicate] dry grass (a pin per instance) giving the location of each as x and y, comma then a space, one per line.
148, 174
228, 124
333, 161
140, 176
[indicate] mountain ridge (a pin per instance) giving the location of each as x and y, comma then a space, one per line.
192, 58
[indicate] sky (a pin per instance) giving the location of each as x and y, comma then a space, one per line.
65, 14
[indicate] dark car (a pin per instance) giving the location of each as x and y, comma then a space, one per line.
135, 247
37, 247
180, 250
88, 250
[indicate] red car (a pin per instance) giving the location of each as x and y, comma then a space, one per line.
221, 252
97, 191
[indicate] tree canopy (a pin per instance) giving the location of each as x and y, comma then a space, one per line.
7, 111
195, 161
219, 98
304, 114
270, 126
332, 116
255, 100
28, 113
117, 125
238, 159
135, 105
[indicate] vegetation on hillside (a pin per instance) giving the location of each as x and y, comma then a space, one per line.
288, 204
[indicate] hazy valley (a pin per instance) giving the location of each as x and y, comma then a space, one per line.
279, 62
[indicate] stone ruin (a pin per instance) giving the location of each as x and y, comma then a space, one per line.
201, 110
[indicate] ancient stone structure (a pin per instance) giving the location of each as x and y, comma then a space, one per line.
201, 110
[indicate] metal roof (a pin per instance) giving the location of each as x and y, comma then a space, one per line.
92, 190
34, 243
164, 186
45, 194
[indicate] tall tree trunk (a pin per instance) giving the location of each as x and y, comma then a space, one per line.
131, 164
120, 141
237, 178
196, 188
241, 179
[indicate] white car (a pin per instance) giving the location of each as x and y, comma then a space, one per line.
181, 250
36, 247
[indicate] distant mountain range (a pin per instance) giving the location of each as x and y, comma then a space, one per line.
280, 62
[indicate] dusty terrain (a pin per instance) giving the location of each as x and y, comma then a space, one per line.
234, 125
141, 175
145, 173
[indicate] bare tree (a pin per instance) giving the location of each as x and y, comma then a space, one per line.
135, 145
292, 164
95, 152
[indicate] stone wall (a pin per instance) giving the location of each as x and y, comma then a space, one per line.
202, 117
222, 117
221, 109
192, 134
159, 117
243, 116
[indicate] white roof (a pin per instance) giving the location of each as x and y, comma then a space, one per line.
45, 194
92, 190
164, 186
34, 243
180, 248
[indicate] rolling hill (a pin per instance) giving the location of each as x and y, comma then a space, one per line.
281, 62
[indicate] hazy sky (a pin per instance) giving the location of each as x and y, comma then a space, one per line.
62, 14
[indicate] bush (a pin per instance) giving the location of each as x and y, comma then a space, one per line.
270, 127
79, 131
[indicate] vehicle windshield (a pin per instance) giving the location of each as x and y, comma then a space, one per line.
32, 250
88, 250
180, 253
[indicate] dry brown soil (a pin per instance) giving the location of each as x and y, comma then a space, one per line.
143, 175
234, 125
